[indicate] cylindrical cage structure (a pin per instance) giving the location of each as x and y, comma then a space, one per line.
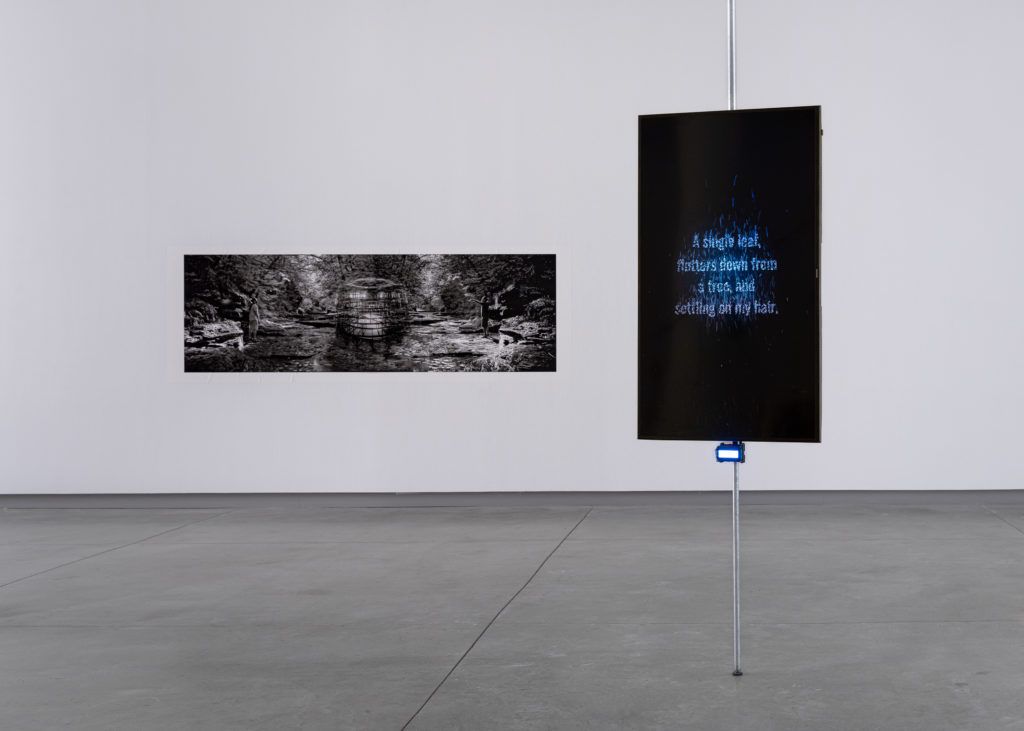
372, 307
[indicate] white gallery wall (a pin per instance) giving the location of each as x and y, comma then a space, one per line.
134, 130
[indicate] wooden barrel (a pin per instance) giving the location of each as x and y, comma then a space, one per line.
372, 307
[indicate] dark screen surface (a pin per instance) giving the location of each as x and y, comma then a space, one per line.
730, 320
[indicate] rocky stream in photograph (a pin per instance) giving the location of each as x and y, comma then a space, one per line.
296, 313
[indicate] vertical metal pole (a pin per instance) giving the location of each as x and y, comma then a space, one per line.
731, 24
736, 569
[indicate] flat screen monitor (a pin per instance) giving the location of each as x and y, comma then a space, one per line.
729, 266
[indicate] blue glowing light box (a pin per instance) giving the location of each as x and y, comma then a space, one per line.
730, 250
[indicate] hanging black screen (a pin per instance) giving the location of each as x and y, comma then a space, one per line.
730, 320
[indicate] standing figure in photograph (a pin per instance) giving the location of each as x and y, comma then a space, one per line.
254, 317
485, 312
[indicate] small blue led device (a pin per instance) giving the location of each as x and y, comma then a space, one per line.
730, 452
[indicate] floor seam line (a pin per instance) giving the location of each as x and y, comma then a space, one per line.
1003, 519
495, 619
111, 550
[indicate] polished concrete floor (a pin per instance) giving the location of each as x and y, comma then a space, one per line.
531, 617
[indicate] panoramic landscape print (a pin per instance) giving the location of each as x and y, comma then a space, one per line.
395, 312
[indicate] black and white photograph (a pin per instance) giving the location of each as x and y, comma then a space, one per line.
385, 312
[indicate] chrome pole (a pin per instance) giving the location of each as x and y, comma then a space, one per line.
731, 24
736, 569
